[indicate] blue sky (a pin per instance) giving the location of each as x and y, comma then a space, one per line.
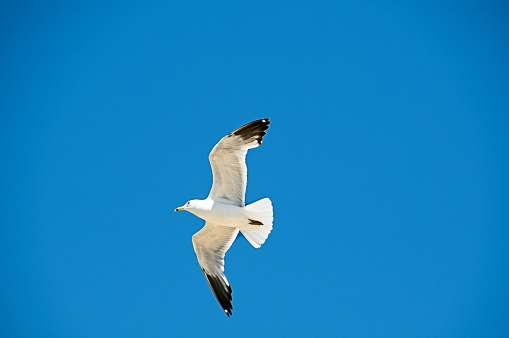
387, 163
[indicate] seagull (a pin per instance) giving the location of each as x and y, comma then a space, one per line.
224, 210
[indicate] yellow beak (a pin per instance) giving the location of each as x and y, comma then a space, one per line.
179, 209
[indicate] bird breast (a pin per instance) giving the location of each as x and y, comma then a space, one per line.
225, 214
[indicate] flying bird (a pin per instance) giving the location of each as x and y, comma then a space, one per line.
224, 210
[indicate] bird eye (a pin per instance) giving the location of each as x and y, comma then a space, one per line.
187, 203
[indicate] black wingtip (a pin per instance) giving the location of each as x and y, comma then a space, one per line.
222, 292
255, 129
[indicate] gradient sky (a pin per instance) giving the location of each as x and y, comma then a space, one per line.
387, 163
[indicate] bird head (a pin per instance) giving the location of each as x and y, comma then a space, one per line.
187, 206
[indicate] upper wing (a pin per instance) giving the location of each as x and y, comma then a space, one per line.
210, 245
228, 162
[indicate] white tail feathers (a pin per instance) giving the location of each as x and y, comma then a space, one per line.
259, 211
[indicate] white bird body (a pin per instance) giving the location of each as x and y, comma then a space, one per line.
224, 210
223, 214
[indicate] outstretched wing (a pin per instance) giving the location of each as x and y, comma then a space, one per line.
228, 162
210, 245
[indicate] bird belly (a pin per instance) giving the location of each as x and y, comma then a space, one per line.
226, 215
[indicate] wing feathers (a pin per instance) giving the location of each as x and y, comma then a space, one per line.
255, 129
222, 291
228, 162
210, 245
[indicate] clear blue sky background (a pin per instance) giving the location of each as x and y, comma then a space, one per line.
387, 162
